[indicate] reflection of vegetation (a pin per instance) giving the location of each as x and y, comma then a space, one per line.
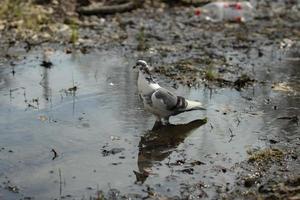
23, 14
100, 195
74, 32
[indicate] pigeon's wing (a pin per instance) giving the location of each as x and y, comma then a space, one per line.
163, 99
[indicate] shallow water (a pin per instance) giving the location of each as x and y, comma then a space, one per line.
86, 108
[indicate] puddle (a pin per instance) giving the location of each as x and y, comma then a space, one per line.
85, 108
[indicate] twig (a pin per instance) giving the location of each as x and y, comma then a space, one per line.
195, 2
231, 135
55, 154
60, 182
238, 122
98, 8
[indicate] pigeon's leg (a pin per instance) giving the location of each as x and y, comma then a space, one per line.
158, 123
158, 119
166, 121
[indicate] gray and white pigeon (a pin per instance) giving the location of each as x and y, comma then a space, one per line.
159, 101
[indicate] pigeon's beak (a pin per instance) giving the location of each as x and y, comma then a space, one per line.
134, 67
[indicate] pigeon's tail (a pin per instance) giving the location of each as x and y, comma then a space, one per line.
194, 105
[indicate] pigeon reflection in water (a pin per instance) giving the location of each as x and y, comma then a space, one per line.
158, 144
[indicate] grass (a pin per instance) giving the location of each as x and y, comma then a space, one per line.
74, 32
142, 43
10, 9
210, 75
23, 14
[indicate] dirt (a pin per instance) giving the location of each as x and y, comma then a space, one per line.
187, 51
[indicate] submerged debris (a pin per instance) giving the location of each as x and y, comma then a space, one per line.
46, 64
282, 87
71, 91
112, 151
13, 188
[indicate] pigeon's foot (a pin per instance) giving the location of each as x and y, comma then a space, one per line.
157, 125
166, 121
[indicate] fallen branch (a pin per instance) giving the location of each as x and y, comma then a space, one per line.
231, 135
98, 8
195, 2
188, 2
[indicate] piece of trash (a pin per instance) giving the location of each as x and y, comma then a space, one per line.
226, 11
111, 84
283, 87
43, 118
113, 138
46, 64
13, 189
113, 151
286, 43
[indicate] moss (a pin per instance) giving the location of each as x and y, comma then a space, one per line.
266, 155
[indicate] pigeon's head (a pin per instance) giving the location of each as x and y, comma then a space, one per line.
142, 66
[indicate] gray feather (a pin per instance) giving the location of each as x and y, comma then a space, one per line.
170, 101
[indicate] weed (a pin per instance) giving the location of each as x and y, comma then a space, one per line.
142, 43
210, 75
74, 32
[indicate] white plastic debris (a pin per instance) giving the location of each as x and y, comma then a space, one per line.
226, 11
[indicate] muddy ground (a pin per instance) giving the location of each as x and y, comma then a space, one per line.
256, 62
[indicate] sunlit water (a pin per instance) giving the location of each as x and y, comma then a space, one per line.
41, 112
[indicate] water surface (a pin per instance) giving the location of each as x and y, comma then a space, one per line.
86, 108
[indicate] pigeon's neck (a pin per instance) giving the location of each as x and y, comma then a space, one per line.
146, 84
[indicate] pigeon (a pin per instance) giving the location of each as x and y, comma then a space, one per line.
159, 101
